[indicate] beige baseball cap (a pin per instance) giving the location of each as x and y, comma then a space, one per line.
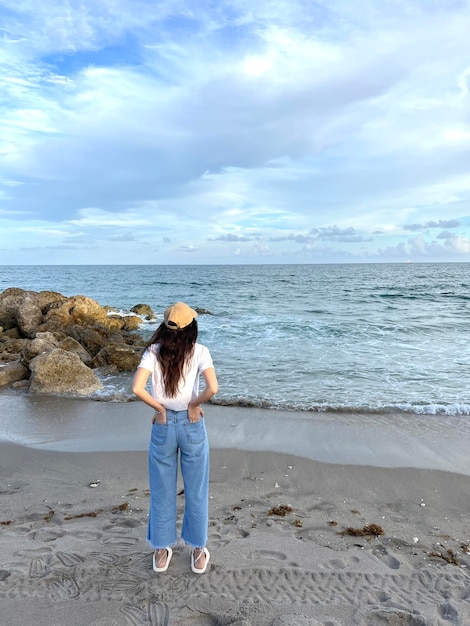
179, 315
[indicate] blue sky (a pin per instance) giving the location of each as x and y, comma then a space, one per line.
195, 132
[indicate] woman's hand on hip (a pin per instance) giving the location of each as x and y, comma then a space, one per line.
159, 417
195, 413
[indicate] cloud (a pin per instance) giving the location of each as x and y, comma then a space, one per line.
335, 233
235, 123
260, 247
418, 248
325, 233
230, 237
123, 237
439, 224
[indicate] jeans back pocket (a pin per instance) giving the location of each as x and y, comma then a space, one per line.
159, 432
195, 432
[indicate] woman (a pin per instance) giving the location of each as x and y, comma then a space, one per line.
176, 361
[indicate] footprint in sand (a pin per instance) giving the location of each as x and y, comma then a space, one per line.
157, 614
86, 535
38, 567
385, 557
217, 542
121, 543
69, 559
390, 617
266, 555
336, 564
46, 535
102, 558
66, 589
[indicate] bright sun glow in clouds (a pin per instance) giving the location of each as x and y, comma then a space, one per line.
256, 66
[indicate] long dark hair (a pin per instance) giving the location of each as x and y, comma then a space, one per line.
176, 346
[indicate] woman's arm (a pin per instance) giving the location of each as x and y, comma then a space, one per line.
138, 388
195, 412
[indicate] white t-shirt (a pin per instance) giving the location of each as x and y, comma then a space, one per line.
188, 387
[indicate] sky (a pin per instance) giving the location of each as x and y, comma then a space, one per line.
234, 131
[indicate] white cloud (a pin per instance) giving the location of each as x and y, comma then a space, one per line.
461, 245
237, 122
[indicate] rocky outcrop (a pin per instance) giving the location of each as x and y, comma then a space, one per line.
96, 338
58, 341
121, 358
49, 300
9, 300
43, 342
145, 310
115, 322
12, 372
131, 322
76, 310
92, 339
69, 344
11, 346
58, 371
28, 315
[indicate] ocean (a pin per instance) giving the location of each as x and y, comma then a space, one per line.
336, 338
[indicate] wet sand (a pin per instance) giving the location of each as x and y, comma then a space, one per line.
382, 440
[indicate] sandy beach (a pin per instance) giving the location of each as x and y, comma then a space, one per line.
332, 534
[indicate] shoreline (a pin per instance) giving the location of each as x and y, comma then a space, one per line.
394, 440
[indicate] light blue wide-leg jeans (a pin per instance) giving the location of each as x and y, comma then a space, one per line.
178, 439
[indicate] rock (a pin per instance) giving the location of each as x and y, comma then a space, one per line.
8, 306
11, 345
131, 322
76, 310
94, 339
43, 342
115, 322
69, 344
5, 357
60, 339
123, 322
21, 384
25, 309
59, 371
74, 331
143, 309
49, 300
11, 333
133, 339
200, 311
12, 372
125, 359
28, 315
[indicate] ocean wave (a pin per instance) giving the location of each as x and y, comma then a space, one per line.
325, 407
117, 388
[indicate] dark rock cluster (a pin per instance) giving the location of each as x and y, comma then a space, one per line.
52, 343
